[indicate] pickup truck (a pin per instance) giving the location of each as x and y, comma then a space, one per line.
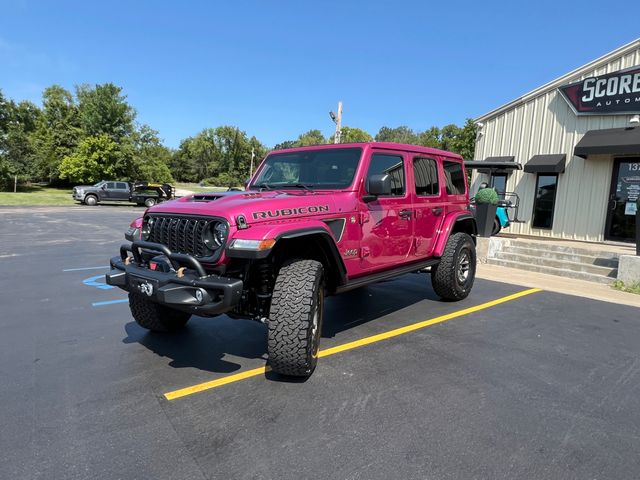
140, 193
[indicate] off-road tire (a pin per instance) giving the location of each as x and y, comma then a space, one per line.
295, 318
156, 317
91, 200
496, 227
150, 202
448, 278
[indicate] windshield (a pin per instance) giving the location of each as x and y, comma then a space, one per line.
322, 169
99, 183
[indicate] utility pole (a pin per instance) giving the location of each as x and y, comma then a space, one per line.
337, 119
338, 134
253, 155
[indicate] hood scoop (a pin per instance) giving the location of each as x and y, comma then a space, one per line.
204, 197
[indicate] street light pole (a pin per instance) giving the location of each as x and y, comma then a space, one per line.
338, 135
253, 155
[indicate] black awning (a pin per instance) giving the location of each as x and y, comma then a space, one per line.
493, 165
614, 141
553, 163
509, 158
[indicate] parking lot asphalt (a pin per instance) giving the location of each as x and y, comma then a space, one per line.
539, 386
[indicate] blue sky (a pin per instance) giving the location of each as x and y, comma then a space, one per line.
275, 68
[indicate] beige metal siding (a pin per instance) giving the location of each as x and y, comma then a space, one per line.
547, 124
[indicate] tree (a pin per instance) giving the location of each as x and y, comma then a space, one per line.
17, 144
352, 135
464, 142
104, 110
151, 158
58, 131
312, 137
96, 158
430, 138
402, 134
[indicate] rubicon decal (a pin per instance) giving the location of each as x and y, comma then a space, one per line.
287, 212
615, 93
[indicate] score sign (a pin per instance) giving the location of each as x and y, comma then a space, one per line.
611, 94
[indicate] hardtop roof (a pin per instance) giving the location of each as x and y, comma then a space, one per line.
378, 145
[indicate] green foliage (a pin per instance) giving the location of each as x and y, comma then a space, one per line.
312, 137
402, 134
93, 135
623, 287
352, 135
104, 110
487, 195
96, 158
450, 137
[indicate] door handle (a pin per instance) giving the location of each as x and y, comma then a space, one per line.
406, 214
437, 210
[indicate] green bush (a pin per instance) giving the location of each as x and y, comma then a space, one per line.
487, 195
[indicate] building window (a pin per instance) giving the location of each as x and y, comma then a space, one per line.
425, 171
499, 183
545, 201
391, 165
454, 178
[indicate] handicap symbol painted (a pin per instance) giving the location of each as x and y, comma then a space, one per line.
93, 282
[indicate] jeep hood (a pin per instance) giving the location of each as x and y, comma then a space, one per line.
257, 207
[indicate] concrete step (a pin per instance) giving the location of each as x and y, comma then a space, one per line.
611, 262
562, 272
559, 263
555, 247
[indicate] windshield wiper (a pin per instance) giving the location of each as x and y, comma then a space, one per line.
262, 185
297, 185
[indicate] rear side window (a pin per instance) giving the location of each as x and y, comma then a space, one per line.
453, 177
121, 186
392, 165
425, 171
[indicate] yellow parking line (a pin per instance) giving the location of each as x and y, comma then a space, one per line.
183, 392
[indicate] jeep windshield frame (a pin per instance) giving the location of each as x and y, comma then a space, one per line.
321, 169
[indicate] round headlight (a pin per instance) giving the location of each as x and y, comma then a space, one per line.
220, 231
215, 235
146, 228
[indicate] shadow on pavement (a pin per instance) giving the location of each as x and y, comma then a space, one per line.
206, 342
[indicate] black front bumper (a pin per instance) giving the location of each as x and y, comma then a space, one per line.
194, 291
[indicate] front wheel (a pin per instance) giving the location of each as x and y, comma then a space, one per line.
295, 318
91, 200
156, 317
453, 277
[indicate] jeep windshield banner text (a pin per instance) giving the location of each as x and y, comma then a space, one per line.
315, 221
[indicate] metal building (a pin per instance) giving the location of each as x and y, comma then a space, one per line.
571, 151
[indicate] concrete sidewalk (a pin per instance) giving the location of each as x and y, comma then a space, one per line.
553, 283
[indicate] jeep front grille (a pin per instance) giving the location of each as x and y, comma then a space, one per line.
181, 234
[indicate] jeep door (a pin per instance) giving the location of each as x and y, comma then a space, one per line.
428, 203
387, 222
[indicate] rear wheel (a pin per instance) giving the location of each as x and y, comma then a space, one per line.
496, 227
150, 202
91, 200
295, 318
156, 317
453, 277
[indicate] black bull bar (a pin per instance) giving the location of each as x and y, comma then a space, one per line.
184, 286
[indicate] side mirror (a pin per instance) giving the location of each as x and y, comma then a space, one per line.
104, 187
378, 185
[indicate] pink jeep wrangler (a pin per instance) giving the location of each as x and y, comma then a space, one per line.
314, 221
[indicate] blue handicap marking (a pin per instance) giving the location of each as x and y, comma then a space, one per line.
93, 282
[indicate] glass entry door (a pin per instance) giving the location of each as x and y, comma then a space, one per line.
625, 188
